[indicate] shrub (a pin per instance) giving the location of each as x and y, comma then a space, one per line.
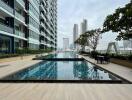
8, 55
20, 52
130, 57
29, 51
94, 54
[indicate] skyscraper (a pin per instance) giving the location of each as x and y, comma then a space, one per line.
66, 45
83, 28
75, 34
28, 24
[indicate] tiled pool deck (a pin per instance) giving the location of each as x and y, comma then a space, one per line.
48, 91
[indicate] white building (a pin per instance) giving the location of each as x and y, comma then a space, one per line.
66, 44
127, 44
75, 34
84, 26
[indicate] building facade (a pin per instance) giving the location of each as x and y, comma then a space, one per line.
28, 24
48, 24
127, 44
75, 35
66, 44
84, 26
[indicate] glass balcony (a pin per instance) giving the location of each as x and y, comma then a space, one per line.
19, 33
19, 16
6, 7
43, 34
42, 8
42, 24
43, 42
21, 2
42, 16
6, 28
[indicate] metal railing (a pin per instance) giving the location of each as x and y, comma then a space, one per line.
6, 6
43, 42
6, 28
19, 16
21, 2
19, 33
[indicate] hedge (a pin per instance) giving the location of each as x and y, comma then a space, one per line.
24, 52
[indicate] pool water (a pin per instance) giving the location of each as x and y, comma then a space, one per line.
63, 55
66, 70
78, 71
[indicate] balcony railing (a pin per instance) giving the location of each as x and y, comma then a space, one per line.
42, 15
19, 16
6, 28
42, 42
19, 33
42, 33
6, 7
21, 2
42, 24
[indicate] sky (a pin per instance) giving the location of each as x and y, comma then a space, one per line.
72, 12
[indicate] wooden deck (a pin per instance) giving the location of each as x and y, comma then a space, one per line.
65, 92
48, 91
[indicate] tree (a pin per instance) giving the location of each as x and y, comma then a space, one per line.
82, 40
120, 22
93, 38
89, 38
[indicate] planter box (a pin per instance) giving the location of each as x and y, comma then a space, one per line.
122, 62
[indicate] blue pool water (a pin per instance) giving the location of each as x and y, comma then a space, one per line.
66, 70
63, 70
63, 55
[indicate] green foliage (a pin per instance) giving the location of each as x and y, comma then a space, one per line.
20, 52
118, 56
120, 22
8, 55
94, 54
90, 38
130, 57
29, 51
82, 40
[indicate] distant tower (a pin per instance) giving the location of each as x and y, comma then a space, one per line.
127, 43
66, 43
84, 26
75, 35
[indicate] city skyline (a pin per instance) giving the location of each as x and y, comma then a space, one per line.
95, 11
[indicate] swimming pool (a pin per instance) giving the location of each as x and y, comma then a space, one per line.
63, 71
61, 56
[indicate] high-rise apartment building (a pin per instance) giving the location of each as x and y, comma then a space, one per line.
83, 28
75, 34
66, 45
48, 24
28, 24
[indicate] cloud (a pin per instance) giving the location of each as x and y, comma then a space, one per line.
74, 11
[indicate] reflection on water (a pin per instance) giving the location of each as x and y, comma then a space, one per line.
88, 71
68, 55
40, 71
52, 70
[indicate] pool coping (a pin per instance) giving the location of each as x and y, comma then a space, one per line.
118, 76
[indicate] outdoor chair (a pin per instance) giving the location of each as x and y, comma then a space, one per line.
107, 59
